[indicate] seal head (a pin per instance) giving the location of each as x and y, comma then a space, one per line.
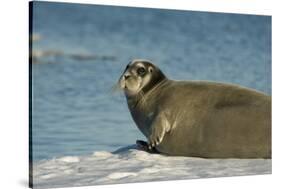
140, 76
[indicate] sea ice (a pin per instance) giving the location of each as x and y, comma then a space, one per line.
132, 165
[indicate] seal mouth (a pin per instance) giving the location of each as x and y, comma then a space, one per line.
125, 87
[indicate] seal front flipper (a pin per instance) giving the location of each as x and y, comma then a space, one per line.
159, 128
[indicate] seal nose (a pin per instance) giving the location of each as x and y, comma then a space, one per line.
126, 76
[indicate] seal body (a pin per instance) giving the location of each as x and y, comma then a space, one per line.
202, 119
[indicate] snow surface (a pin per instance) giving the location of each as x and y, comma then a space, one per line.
132, 165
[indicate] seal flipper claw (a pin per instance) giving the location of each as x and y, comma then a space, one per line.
142, 145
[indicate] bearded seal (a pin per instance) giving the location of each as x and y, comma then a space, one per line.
197, 118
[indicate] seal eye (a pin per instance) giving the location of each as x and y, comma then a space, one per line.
141, 71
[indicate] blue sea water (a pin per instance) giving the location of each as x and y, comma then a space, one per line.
74, 111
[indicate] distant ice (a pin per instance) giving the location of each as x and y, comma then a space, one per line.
132, 165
